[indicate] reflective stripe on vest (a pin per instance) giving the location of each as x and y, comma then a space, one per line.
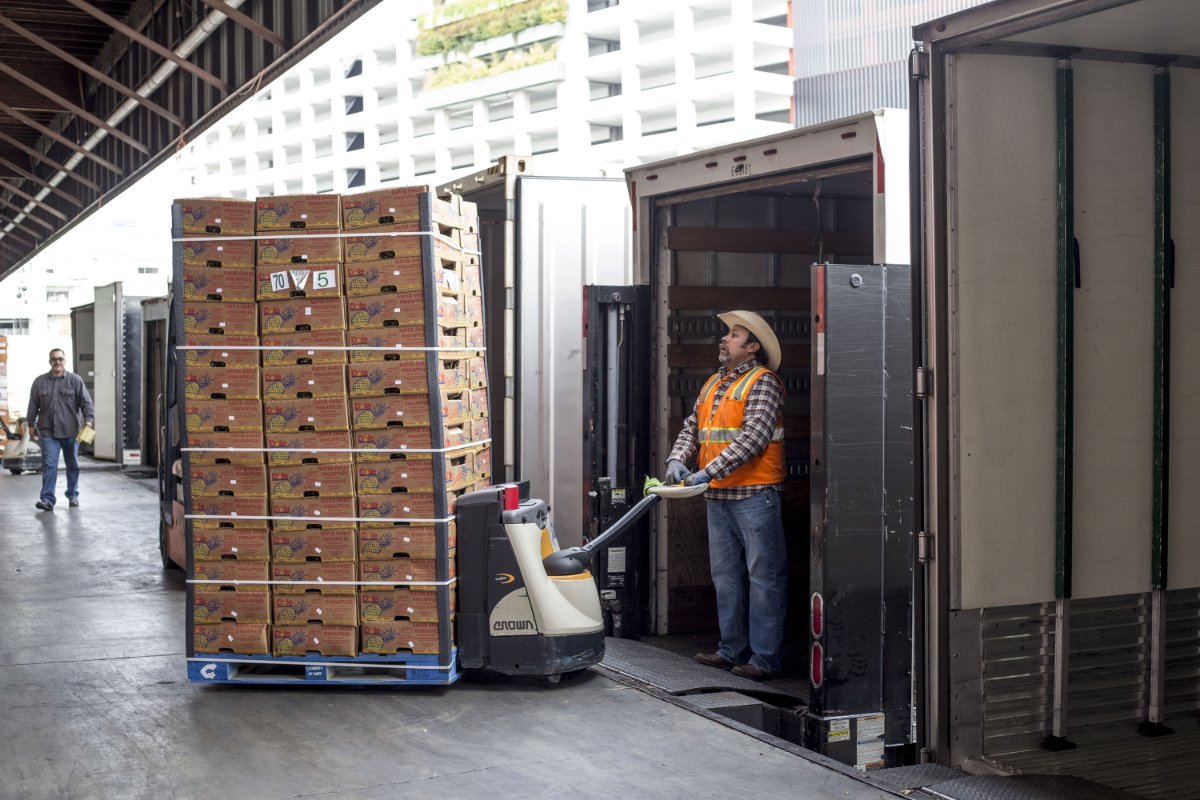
719, 426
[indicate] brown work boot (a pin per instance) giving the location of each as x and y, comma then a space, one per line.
714, 660
752, 672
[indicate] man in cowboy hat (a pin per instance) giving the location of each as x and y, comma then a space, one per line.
736, 428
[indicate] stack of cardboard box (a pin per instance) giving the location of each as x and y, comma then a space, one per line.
221, 386
371, 321
411, 263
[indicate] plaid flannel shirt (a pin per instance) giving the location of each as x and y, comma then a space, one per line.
764, 405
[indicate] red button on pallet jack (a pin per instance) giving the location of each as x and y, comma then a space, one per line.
512, 497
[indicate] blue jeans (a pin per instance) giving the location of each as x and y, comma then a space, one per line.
51, 447
748, 560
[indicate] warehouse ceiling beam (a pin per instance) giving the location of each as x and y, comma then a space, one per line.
28, 215
17, 232
150, 44
53, 211
248, 23
58, 137
78, 111
42, 157
90, 70
29, 176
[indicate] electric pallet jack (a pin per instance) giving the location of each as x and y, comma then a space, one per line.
525, 606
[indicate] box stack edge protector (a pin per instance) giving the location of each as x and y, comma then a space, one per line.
185, 456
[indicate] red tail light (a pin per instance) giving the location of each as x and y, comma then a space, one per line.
512, 497
818, 615
816, 664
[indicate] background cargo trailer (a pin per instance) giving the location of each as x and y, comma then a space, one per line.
1060, 296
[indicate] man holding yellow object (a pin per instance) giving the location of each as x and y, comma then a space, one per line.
736, 430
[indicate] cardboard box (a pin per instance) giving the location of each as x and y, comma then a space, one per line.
475, 337
327, 640
332, 544
416, 604
228, 481
216, 216
481, 463
384, 509
391, 205
213, 576
401, 636
225, 253
238, 638
327, 609
203, 416
304, 347
309, 280
393, 410
298, 212
314, 578
290, 381
231, 605
474, 310
218, 284
405, 274
312, 246
307, 447
402, 241
406, 376
377, 343
215, 350
457, 405
479, 403
221, 383
312, 480
472, 278
481, 430
414, 476
294, 514
402, 440
225, 447
405, 308
306, 414
477, 373
411, 541
302, 314
228, 544
229, 512
216, 318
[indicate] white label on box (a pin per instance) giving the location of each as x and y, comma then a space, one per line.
325, 279
312, 419
319, 613
317, 483
404, 475
233, 613
316, 640
307, 311
311, 382
303, 216
222, 324
224, 385
232, 418
317, 550
233, 483
217, 220
407, 540
397, 382
233, 549
219, 290
279, 281
410, 610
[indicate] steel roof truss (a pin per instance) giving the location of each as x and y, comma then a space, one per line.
28, 215
48, 161
149, 43
29, 176
32, 199
90, 70
248, 23
63, 140
17, 231
74, 109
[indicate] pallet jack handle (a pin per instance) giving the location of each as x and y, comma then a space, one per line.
576, 560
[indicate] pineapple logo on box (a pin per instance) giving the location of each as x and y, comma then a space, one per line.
513, 616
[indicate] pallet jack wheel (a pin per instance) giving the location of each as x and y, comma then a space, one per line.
162, 544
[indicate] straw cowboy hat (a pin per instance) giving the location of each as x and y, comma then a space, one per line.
761, 330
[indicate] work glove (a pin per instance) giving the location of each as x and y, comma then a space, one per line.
676, 471
698, 477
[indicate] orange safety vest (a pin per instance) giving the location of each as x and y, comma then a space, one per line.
719, 426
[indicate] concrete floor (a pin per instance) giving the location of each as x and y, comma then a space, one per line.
96, 703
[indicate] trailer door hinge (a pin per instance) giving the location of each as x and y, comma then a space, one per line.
924, 547
922, 381
920, 64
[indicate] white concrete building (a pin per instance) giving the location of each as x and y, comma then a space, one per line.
600, 83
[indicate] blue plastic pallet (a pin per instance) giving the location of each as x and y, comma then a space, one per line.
399, 670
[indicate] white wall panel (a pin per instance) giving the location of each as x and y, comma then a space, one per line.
1114, 327
1003, 290
1184, 511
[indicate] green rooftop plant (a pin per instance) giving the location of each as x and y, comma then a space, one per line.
473, 69
457, 27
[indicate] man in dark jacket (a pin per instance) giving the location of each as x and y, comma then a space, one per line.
57, 400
